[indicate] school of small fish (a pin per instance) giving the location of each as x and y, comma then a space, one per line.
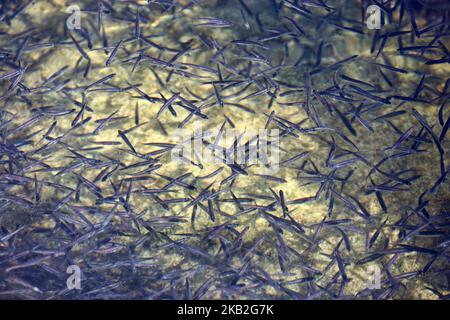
358, 209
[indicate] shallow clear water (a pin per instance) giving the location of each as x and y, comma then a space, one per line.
72, 192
